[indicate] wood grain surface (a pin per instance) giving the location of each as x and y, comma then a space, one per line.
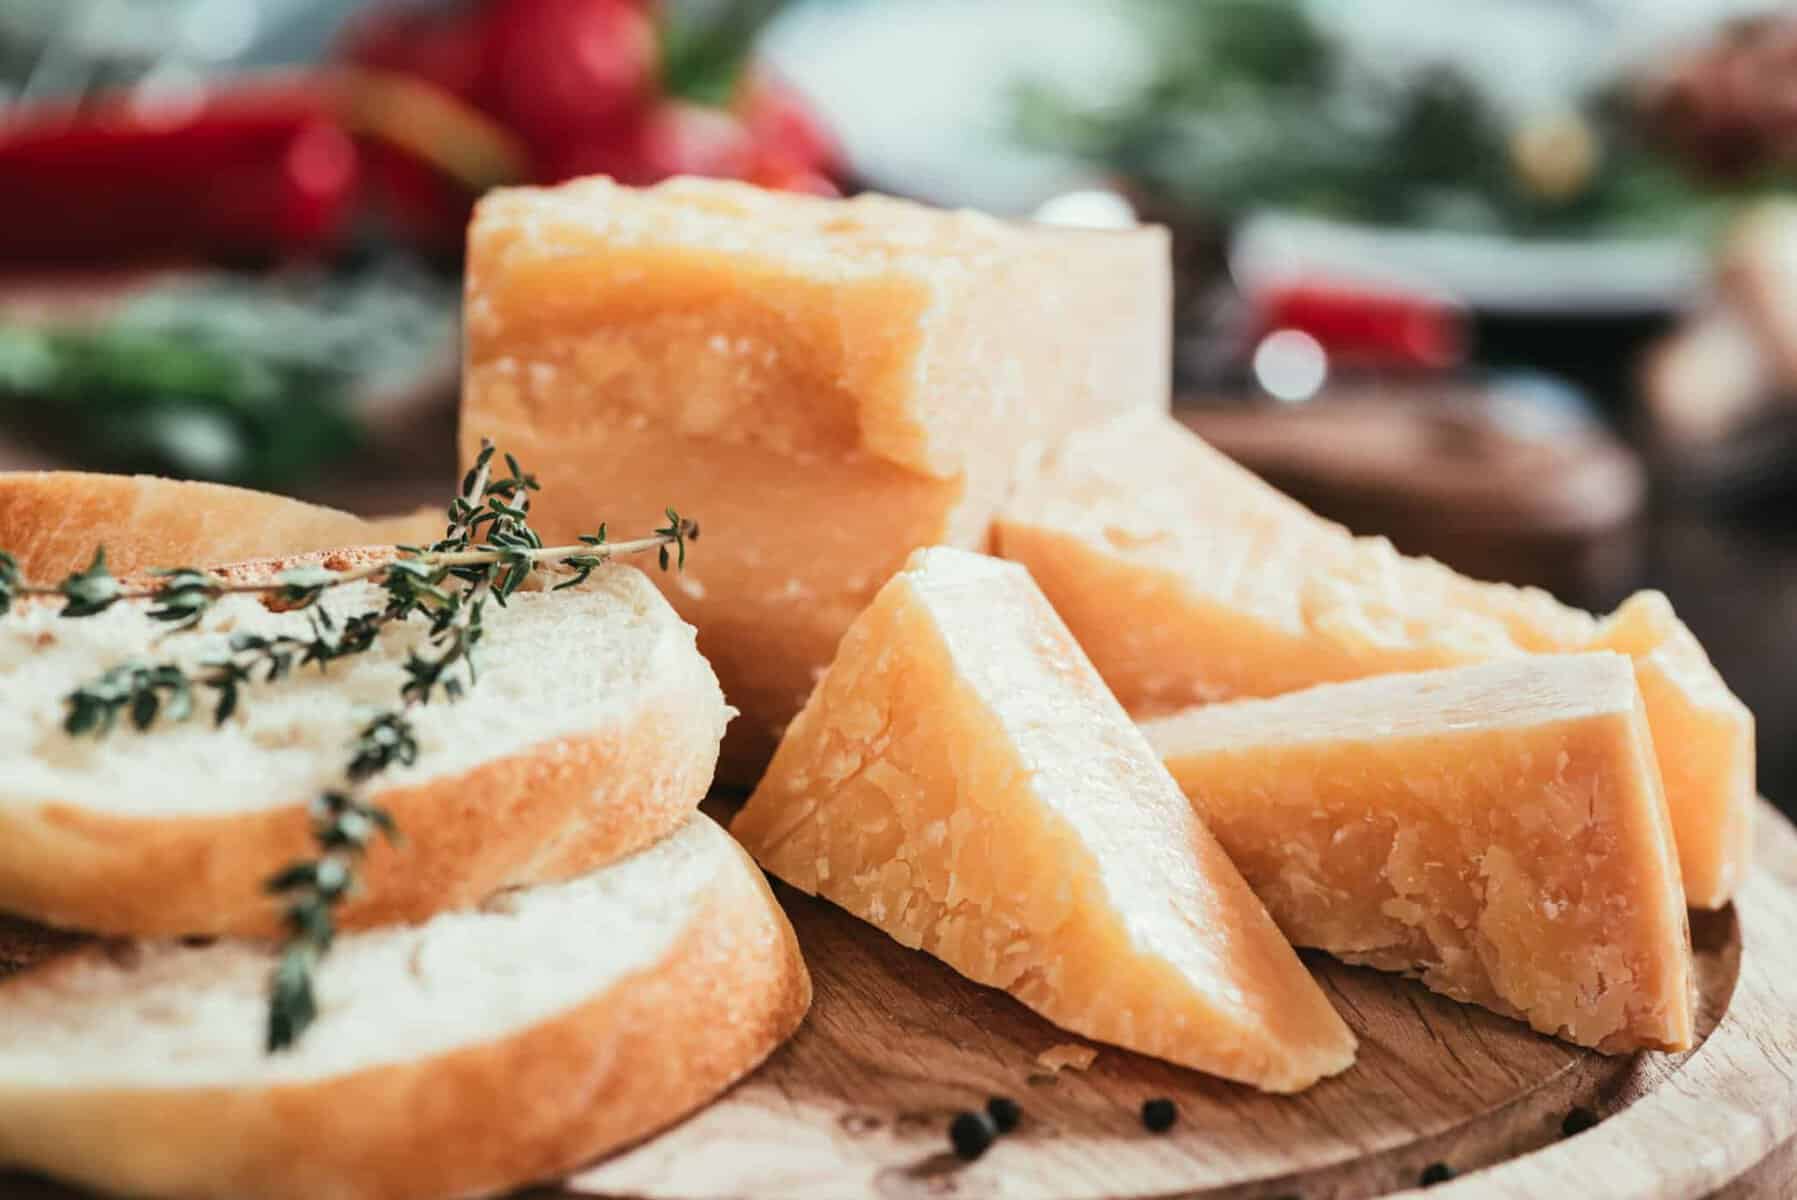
857, 1105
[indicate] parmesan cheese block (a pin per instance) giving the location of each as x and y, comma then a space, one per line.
962, 779
825, 385
1188, 581
1499, 831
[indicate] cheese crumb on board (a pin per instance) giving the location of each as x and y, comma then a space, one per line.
825, 385
963, 780
1063, 1055
1189, 581
1498, 831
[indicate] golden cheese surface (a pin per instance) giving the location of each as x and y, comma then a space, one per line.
962, 779
825, 385
1190, 581
1499, 831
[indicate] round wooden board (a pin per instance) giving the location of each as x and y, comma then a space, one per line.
857, 1104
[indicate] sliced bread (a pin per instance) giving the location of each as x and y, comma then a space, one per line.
592, 731
52, 520
479, 1051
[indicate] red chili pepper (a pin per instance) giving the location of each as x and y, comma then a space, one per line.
441, 44
784, 177
264, 171
563, 72
675, 138
787, 133
1365, 327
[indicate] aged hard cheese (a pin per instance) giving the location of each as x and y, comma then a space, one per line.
962, 779
1703, 737
1498, 831
825, 385
1188, 581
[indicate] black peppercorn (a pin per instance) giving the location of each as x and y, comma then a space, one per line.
1159, 1115
971, 1133
1004, 1113
1435, 1173
1577, 1121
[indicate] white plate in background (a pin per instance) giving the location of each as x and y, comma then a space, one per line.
1487, 272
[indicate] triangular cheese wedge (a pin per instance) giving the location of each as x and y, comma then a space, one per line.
1704, 737
1190, 581
962, 779
1499, 831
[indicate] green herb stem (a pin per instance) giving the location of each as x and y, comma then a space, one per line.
426, 558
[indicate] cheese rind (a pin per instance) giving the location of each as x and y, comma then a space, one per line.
1235, 591
1499, 831
962, 779
1704, 738
825, 385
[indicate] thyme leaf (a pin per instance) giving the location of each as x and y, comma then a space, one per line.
488, 552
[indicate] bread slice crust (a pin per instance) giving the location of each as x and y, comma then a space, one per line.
528, 1105
51, 521
554, 809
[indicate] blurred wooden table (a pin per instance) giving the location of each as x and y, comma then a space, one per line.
1734, 580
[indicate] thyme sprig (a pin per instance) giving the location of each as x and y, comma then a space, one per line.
188, 594
487, 553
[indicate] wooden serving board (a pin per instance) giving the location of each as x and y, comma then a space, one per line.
857, 1104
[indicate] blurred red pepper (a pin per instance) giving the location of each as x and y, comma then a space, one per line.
436, 103
786, 133
565, 72
1366, 327
441, 44
244, 172
674, 138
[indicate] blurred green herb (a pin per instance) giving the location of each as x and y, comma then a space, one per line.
1250, 104
706, 46
238, 379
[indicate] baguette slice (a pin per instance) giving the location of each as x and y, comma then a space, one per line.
51, 521
482, 1050
592, 731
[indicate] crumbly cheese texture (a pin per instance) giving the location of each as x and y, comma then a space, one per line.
825, 385
962, 779
1498, 831
1190, 581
